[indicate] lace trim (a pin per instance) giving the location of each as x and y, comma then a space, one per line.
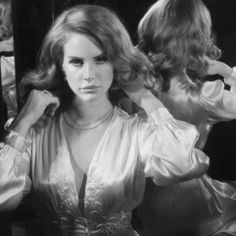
94, 189
116, 225
63, 180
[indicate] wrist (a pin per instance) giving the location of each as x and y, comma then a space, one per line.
15, 140
231, 78
150, 103
227, 72
21, 126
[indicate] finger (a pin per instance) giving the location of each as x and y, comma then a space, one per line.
56, 104
52, 107
42, 122
46, 92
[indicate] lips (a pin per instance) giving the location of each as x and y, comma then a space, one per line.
90, 87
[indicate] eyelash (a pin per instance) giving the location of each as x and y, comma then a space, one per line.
76, 62
99, 60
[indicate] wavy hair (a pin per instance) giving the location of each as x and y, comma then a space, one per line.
177, 35
105, 29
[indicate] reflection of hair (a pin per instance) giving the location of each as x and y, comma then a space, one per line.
5, 19
104, 28
176, 34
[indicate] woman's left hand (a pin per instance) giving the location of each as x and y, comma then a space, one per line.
145, 99
138, 95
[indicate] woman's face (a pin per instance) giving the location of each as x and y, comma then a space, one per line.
88, 72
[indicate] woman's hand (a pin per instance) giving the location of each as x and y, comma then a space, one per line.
218, 68
39, 107
145, 99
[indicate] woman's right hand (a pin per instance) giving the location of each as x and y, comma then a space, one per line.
39, 107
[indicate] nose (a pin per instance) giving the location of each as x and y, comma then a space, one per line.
89, 72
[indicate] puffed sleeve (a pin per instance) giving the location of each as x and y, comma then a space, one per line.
14, 175
167, 149
218, 103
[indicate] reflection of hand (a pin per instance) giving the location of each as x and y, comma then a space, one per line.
6, 45
39, 107
218, 67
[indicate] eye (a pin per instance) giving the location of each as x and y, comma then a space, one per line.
76, 62
101, 59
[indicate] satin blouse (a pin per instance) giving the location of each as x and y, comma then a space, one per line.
201, 107
132, 148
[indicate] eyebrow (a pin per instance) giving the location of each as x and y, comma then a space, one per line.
100, 55
95, 57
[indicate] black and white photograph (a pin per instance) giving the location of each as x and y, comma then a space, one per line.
117, 118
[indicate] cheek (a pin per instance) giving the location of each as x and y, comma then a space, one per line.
73, 79
109, 74
108, 78
111, 77
72, 75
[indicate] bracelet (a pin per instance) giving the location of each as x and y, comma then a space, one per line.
16, 141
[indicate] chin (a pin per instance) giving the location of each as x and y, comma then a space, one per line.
89, 98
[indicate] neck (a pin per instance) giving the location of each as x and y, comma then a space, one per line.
87, 112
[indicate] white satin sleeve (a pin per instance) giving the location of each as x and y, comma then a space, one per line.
218, 103
14, 176
167, 149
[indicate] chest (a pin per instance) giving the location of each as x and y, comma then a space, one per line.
82, 145
114, 180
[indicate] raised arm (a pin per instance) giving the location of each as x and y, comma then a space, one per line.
166, 145
15, 152
219, 103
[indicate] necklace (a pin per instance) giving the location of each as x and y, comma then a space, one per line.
92, 125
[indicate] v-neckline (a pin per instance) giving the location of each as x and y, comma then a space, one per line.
96, 149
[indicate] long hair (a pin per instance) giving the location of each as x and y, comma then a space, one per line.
177, 35
106, 31
5, 19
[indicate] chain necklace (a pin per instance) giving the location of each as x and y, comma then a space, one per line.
91, 125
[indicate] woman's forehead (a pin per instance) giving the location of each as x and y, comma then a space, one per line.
81, 45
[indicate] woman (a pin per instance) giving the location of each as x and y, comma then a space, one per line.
84, 159
177, 37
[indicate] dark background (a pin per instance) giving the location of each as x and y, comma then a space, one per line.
31, 20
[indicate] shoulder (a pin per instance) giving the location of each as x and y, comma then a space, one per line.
124, 116
128, 120
141, 118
